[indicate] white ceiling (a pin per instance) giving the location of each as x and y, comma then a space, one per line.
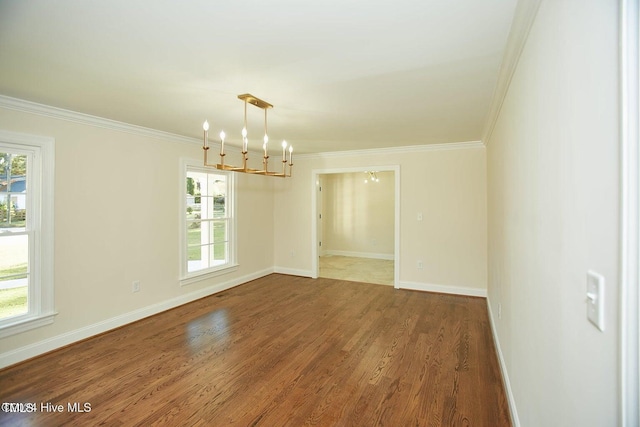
342, 74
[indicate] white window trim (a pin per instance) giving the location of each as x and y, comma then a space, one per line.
189, 278
43, 312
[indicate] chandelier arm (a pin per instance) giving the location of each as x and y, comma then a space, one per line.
250, 99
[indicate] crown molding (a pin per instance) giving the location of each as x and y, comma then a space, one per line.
87, 119
395, 150
100, 122
523, 18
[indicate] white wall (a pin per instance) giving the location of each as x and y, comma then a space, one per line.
447, 185
358, 217
553, 208
117, 220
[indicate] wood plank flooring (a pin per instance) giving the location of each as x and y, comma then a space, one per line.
278, 351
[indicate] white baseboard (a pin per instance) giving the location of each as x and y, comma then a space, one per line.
503, 367
293, 272
443, 289
358, 254
27, 352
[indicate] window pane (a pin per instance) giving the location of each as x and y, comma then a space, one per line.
219, 254
18, 172
197, 258
219, 207
201, 183
196, 263
218, 185
14, 276
194, 241
206, 220
18, 217
193, 209
207, 207
13, 211
219, 232
194, 190
13, 187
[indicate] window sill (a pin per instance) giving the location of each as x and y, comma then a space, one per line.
207, 274
24, 325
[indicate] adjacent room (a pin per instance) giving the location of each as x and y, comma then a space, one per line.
356, 226
334, 214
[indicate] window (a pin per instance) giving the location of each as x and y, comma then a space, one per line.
208, 226
26, 232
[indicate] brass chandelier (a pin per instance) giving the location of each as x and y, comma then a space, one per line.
250, 99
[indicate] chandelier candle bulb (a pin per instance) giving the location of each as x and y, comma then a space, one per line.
222, 135
244, 129
249, 99
205, 126
245, 141
266, 137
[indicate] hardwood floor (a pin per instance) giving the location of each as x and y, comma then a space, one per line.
278, 351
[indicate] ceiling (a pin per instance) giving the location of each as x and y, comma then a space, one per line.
341, 74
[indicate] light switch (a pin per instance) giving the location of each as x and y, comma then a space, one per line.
419, 216
595, 299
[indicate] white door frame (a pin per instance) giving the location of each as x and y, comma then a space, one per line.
314, 212
629, 215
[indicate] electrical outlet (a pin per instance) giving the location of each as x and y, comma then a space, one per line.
420, 265
136, 286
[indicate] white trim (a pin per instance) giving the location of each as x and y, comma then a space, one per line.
443, 289
503, 368
314, 215
41, 307
523, 18
294, 272
87, 119
187, 278
23, 353
100, 122
371, 255
629, 372
25, 325
208, 274
104, 123
394, 150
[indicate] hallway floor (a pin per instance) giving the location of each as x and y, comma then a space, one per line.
369, 270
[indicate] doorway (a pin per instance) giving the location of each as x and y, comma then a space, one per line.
356, 224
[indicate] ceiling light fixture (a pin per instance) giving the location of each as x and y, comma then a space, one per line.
371, 176
250, 99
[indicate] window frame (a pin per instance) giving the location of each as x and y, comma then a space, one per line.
39, 228
186, 277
